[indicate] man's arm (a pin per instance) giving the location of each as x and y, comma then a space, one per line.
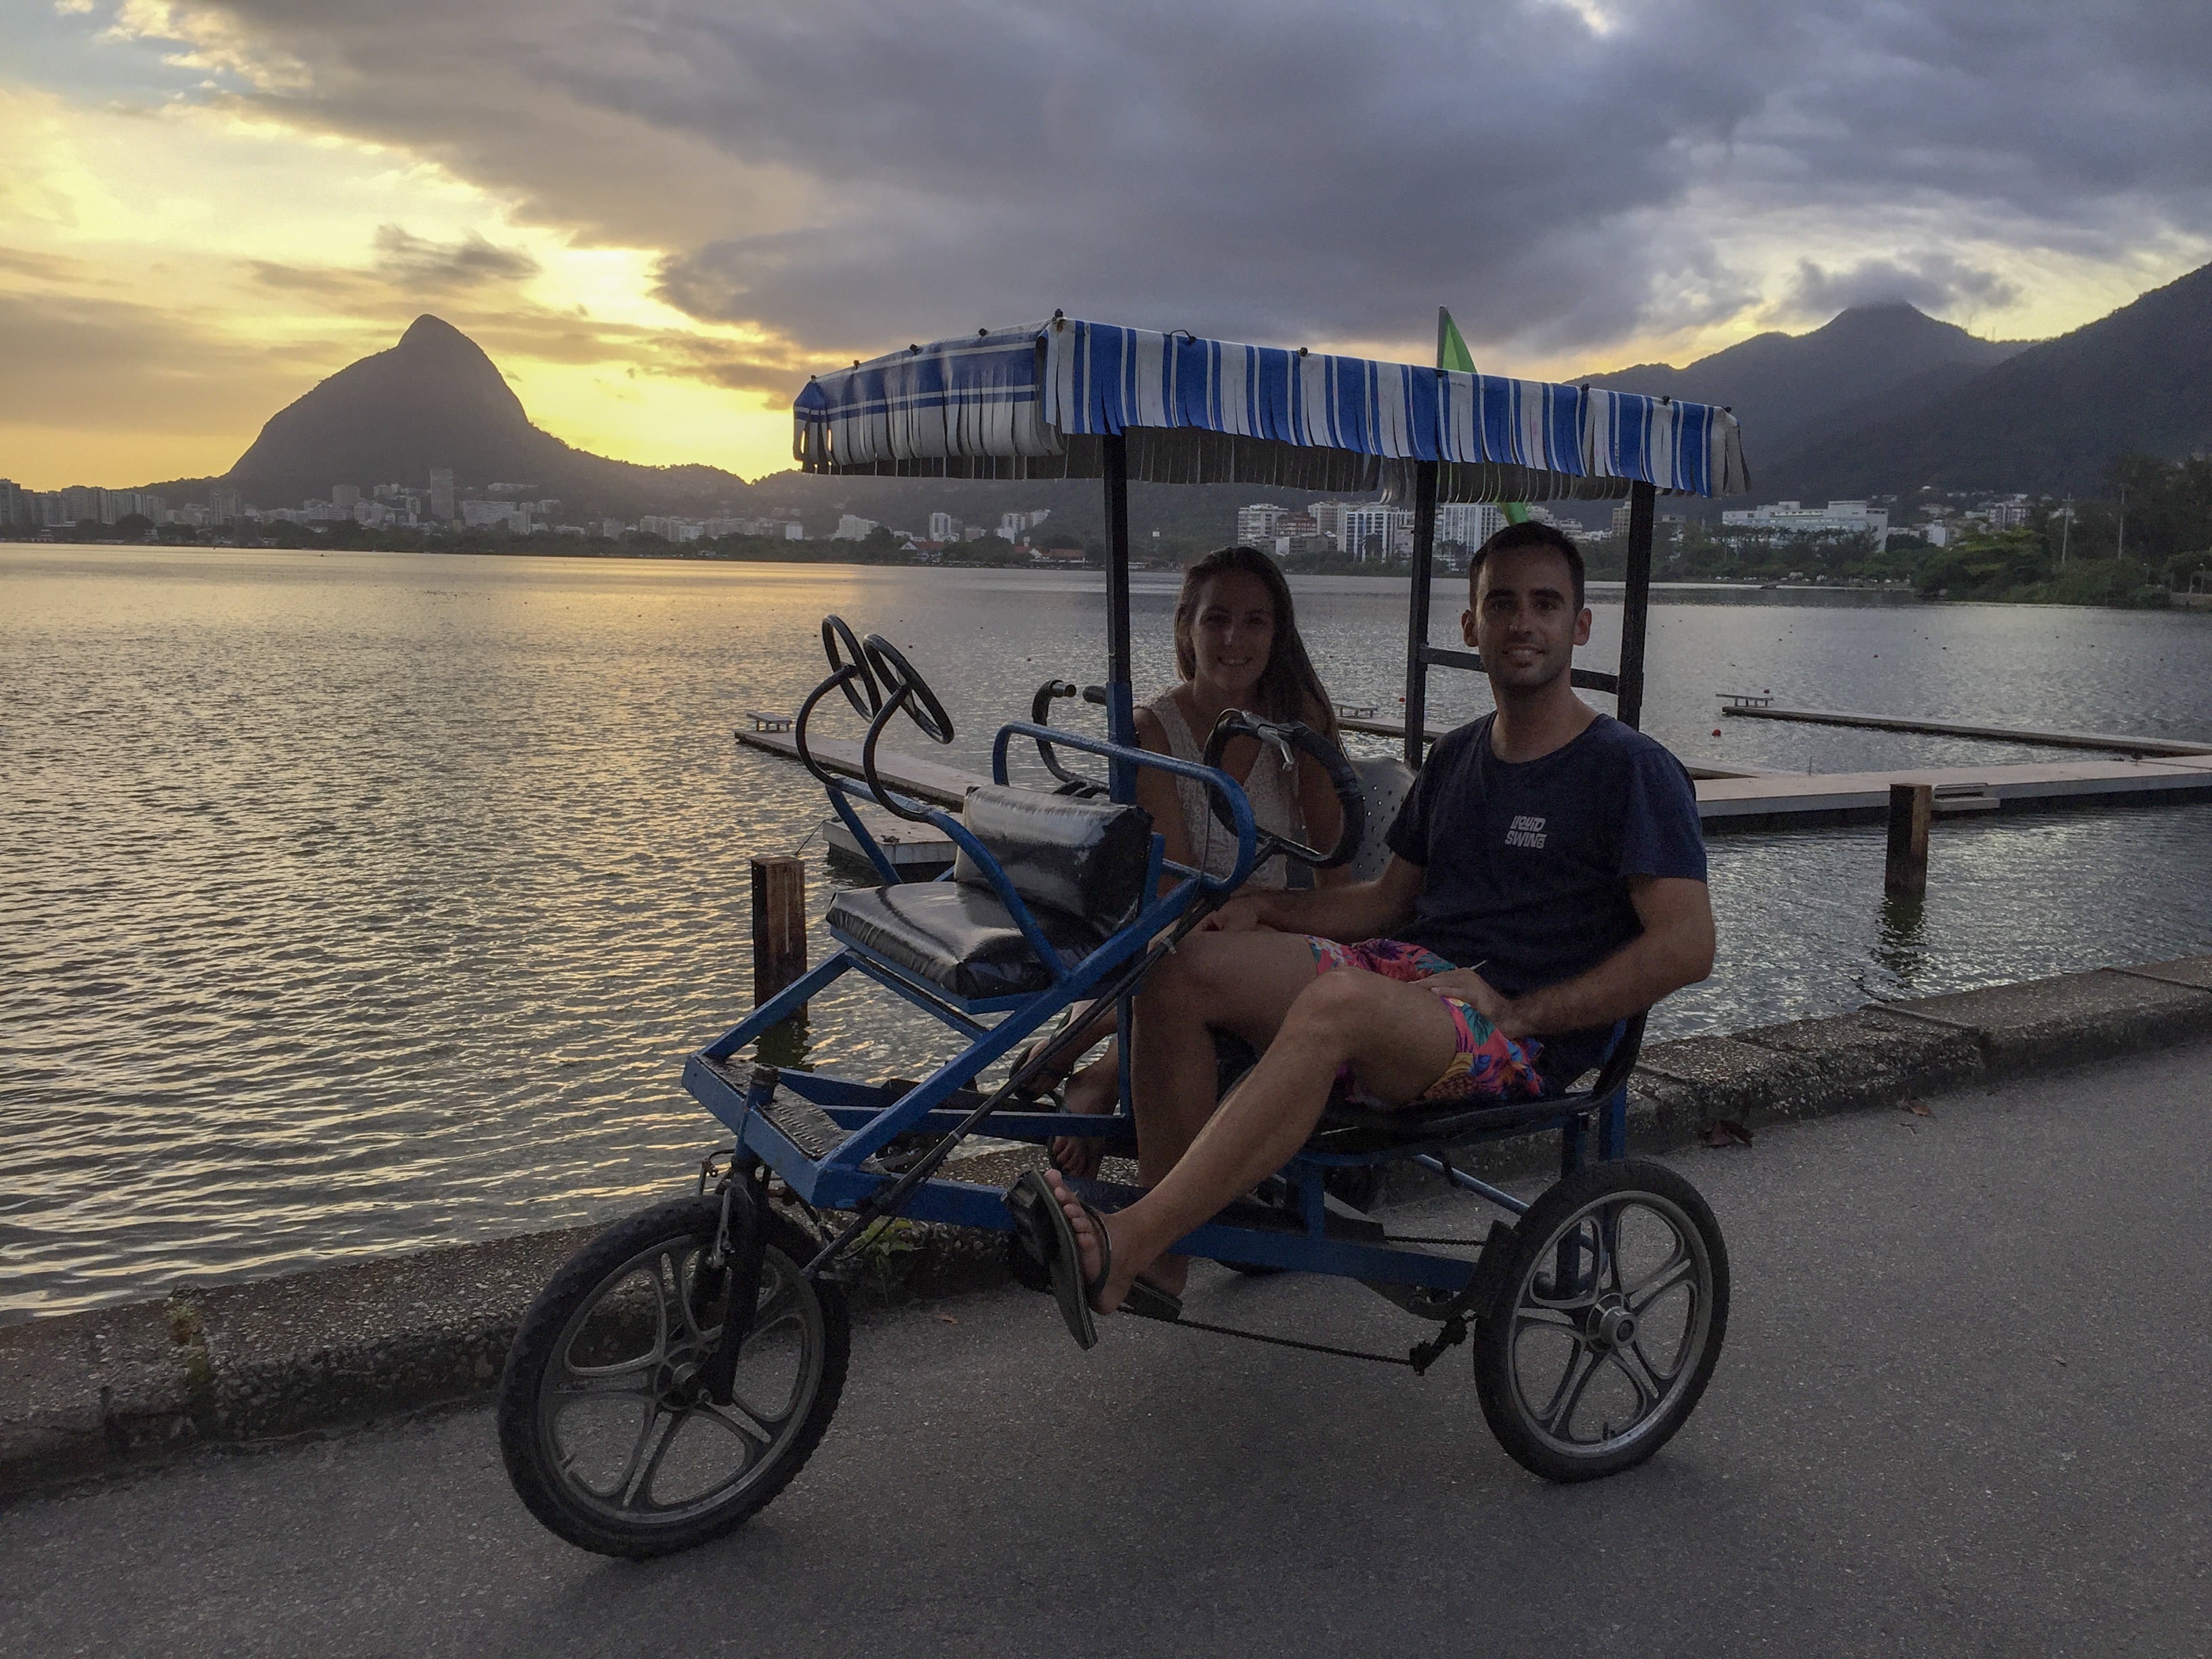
1357, 910
1674, 949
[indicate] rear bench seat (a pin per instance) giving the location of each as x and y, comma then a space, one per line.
1079, 865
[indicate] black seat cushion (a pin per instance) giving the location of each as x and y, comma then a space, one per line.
957, 937
1082, 858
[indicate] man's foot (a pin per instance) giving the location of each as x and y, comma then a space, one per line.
1092, 1250
1124, 1272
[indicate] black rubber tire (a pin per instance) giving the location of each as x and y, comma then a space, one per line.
526, 1433
1535, 1241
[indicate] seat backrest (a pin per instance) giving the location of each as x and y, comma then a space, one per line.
1384, 780
1082, 858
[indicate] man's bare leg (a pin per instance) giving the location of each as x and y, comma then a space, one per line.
1397, 1038
1239, 982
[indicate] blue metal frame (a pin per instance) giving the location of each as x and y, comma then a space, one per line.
867, 1117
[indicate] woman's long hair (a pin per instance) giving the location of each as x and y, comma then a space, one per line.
1289, 690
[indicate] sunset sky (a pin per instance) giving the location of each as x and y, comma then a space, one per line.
658, 215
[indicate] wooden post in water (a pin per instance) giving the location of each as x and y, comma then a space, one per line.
779, 924
1910, 807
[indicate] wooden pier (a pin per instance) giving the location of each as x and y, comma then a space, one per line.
1740, 800
1366, 723
910, 775
1764, 708
1780, 800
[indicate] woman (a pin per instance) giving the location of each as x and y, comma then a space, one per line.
1237, 647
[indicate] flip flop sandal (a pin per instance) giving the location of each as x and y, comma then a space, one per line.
1038, 1214
1043, 1227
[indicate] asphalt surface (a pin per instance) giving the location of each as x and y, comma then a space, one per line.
1964, 1409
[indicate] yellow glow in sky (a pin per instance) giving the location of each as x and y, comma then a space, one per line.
170, 279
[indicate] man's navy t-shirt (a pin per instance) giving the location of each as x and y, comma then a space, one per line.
1526, 863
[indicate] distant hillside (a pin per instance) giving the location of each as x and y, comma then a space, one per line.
436, 400
2051, 417
1792, 390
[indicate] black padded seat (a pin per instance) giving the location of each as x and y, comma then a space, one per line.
959, 936
1080, 866
1347, 1126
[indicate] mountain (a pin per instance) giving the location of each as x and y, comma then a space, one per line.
436, 400
2049, 418
1790, 390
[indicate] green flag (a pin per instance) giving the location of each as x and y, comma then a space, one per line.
1451, 350
1452, 354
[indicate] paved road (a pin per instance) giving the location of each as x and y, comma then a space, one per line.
1964, 1410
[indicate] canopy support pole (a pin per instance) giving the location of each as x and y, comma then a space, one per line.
1121, 702
1636, 608
1417, 614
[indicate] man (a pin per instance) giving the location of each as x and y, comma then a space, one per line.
1547, 880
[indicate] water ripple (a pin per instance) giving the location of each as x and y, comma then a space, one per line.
354, 904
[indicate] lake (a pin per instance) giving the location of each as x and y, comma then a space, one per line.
354, 903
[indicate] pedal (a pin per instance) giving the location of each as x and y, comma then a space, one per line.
805, 1125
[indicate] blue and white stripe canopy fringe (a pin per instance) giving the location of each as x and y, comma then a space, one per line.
1034, 402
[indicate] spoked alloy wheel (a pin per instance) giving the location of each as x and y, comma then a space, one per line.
1607, 1321
609, 1434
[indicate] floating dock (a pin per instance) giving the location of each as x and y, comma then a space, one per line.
1766, 800
1763, 708
1365, 721
909, 775
1784, 801
919, 851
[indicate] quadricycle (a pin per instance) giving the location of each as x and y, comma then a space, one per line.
678, 1372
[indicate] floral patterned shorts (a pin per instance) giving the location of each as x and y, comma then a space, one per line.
1488, 1065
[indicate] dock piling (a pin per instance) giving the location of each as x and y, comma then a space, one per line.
779, 924
1910, 807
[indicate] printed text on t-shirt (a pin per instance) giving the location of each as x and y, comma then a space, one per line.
1525, 832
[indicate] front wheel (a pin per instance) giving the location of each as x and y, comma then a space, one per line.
1607, 1321
608, 1436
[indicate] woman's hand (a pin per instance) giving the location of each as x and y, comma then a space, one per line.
1239, 916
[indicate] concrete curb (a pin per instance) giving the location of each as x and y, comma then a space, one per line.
83, 1394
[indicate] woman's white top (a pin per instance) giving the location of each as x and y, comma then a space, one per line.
1272, 787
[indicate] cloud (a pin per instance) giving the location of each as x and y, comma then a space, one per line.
119, 393
41, 267
336, 284
1564, 173
1933, 281
421, 266
865, 171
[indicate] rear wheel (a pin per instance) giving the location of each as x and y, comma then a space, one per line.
1606, 1324
609, 1435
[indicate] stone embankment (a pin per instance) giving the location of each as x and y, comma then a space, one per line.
87, 1393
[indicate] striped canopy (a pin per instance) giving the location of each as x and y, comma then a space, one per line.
1033, 402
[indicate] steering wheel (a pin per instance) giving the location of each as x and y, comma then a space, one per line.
836, 634
903, 686
1350, 799
1070, 783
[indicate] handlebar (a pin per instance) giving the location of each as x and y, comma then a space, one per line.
1285, 736
1041, 715
878, 681
836, 634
